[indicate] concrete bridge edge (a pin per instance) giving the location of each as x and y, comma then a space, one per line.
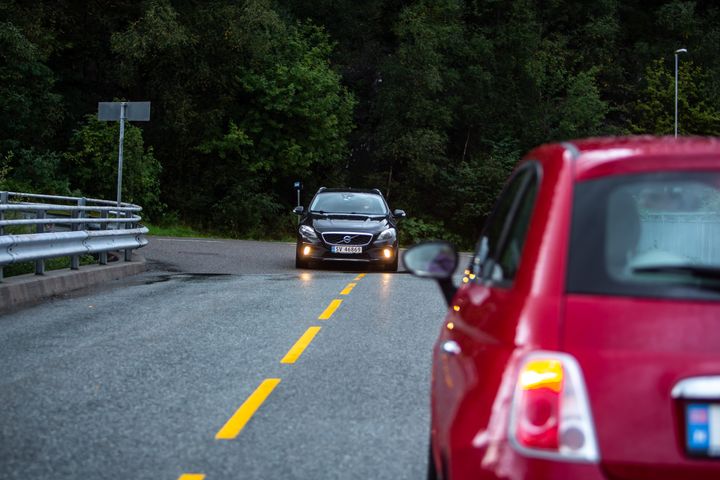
28, 289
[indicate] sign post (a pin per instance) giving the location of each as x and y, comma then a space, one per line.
122, 111
298, 187
123, 108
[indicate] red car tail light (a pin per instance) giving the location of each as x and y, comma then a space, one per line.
550, 415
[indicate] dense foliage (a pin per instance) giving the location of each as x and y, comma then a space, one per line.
433, 101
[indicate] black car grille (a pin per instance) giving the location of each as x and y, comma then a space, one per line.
347, 238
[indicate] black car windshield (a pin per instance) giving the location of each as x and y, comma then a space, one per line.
655, 235
349, 203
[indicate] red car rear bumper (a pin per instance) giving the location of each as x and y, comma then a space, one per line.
501, 461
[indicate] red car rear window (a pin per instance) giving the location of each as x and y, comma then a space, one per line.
649, 235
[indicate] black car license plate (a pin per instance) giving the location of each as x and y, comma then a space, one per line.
346, 249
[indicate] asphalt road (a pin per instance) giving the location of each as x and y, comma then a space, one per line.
179, 371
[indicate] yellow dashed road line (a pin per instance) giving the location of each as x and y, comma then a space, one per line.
192, 476
300, 346
330, 310
348, 289
243, 414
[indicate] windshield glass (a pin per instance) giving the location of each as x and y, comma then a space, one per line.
647, 235
349, 202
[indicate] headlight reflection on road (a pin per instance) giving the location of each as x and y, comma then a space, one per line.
385, 286
305, 277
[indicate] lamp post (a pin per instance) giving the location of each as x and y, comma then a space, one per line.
677, 53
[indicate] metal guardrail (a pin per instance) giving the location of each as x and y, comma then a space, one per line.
37, 227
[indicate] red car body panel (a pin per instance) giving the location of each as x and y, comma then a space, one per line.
601, 157
632, 351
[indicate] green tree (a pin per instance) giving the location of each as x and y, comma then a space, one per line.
35, 171
249, 95
412, 132
582, 111
4, 171
93, 161
654, 111
30, 112
245, 101
29, 107
474, 184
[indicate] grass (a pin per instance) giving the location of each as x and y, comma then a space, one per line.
176, 231
184, 231
24, 268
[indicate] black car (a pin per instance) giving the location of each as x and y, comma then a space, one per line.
347, 224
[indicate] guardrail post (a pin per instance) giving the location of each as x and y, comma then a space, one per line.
102, 256
128, 251
40, 264
75, 259
3, 201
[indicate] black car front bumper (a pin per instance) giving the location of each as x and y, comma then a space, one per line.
375, 253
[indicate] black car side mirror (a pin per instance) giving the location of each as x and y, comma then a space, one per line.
298, 210
436, 260
399, 214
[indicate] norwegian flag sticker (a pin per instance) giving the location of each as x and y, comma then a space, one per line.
698, 428
698, 414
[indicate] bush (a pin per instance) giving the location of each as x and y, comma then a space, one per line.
415, 230
4, 172
32, 171
92, 163
247, 213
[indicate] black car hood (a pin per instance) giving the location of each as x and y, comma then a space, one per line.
322, 223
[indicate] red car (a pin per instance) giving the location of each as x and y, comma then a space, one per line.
584, 340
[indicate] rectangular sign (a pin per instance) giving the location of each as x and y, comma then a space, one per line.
134, 111
138, 111
109, 111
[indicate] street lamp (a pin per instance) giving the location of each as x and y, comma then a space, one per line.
677, 52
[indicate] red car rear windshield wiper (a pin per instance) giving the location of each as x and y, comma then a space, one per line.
698, 271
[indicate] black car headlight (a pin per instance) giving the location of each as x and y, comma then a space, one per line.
308, 233
387, 235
